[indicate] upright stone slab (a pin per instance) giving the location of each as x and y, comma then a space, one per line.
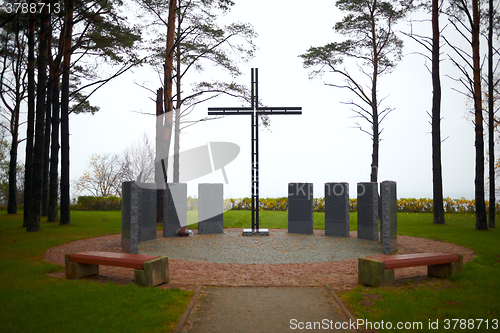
337, 209
300, 208
368, 211
174, 209
138, 214
210, 209
129, 218
389, 218
147, 200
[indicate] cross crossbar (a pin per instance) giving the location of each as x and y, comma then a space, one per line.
255, 111
249, 111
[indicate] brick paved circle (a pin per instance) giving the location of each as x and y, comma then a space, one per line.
187, 274
279, 247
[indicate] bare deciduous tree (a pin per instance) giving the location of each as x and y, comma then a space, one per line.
139, 161
104, 177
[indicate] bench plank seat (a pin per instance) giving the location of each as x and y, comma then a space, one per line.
135, 261
148, 270
417, 259
378, 270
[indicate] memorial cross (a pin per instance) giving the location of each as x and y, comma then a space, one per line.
254, 111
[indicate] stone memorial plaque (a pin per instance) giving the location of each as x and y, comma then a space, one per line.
130, 229
337, 209
300, 208
210, 209
138, 214
174, 209
147, 202
389, 218
368, 211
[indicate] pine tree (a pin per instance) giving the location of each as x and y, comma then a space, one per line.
372, 41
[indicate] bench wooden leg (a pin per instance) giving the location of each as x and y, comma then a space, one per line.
154, 272
75, 271
373, 273
445, 270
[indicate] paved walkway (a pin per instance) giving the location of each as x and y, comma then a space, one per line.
266, 309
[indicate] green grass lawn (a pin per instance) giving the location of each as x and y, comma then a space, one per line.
31, 301
267, 219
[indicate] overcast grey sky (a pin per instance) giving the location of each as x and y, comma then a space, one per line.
318, 146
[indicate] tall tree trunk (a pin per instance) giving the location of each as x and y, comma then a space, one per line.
53, 211
28, 168
375, 125
65, 178
46, 149
169, 56
375, 147
55, 73
36, 198
12, 203
14, 130
437, 175
491, 119
168, 79
481, 219
177, 137
177, 144
167, 119
159, 171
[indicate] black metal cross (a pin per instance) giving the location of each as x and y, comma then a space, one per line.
255, 111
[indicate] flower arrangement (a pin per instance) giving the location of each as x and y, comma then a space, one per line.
184, 232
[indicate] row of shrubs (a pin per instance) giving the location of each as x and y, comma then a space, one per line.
409, 205
97, 203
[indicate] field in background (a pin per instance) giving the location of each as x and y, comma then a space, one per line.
405, 205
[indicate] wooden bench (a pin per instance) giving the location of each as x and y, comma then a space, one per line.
378, 270
148, 270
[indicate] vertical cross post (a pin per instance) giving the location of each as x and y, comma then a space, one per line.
255, 151
254, 111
